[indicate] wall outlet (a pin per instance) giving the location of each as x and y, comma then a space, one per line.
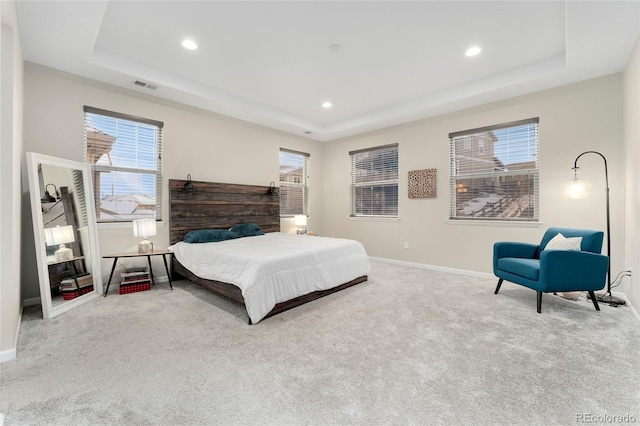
406, 244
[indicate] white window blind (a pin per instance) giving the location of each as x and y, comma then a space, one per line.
125, 154
494, 172
294, 183
78, 190
374, 181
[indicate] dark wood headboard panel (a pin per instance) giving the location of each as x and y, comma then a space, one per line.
217, 205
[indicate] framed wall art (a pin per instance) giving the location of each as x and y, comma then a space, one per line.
423, 183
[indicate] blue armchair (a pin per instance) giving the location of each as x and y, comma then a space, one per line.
552, 270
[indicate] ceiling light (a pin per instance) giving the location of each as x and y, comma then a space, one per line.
473, 51
335, 48
189, 44
326, 105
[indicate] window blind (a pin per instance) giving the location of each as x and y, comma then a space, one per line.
125, 154
78, 190
374, 181
494, 172
294, 182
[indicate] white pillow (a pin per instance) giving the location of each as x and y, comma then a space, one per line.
560, 242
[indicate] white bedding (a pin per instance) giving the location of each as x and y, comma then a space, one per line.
275, 267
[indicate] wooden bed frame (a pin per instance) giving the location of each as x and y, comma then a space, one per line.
216, 205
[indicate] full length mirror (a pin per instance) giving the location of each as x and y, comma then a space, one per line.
65, 232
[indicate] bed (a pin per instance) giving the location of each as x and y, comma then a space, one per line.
268, 273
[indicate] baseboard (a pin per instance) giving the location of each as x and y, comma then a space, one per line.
434, 267
626, 299
32, 301
11, 354
8, 355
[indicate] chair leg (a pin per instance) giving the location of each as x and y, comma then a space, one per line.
539, 302
499, 284
593, 299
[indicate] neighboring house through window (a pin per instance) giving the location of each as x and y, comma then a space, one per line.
374, 182
494, 172
125, 154
294, 183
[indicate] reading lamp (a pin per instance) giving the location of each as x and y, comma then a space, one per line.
273, 191
47, 198
578, 189
144, 228
189, 187
60, 235
301, 221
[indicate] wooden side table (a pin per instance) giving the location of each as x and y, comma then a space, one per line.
71, 263
162, 253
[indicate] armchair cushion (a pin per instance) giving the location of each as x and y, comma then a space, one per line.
528, 268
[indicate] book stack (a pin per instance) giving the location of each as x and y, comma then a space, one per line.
134, 280
70, 290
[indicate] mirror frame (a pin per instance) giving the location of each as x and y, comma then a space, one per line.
48, 310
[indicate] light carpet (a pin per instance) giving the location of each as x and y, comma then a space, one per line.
409, 346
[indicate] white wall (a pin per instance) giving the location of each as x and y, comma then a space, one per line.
573, 119
631, 84
208, 146
11, 86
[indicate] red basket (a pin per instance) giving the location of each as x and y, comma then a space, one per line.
72, 293
134, 288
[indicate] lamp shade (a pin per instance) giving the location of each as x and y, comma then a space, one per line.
576, 189
144, 228
300, 220
59, 235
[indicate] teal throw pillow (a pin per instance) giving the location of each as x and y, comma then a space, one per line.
210, 236
247, 229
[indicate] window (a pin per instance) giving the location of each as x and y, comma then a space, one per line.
500, 179
374, 181
125, 154
294, 183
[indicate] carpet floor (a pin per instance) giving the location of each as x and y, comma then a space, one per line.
409, 346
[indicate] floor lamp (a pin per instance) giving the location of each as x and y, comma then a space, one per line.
579, 189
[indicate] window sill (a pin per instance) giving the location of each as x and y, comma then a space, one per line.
123, 225
504, 223
374, 218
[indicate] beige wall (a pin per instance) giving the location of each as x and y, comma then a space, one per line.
631, 84
208, 146
11, 85
573, 119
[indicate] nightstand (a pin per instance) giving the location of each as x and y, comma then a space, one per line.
162, 253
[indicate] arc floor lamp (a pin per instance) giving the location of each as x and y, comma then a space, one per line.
579, 189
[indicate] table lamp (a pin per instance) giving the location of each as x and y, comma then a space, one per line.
60, 235
144, 228
301, 222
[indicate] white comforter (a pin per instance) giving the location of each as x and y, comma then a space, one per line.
275, 267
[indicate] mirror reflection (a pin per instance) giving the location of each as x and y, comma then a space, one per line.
64, 219
65, 232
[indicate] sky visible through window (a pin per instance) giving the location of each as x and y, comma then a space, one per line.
515, 144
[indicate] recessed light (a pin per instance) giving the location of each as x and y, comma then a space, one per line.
326, 105
473, 51
189, 44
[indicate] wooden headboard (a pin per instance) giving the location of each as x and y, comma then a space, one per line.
217, 205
